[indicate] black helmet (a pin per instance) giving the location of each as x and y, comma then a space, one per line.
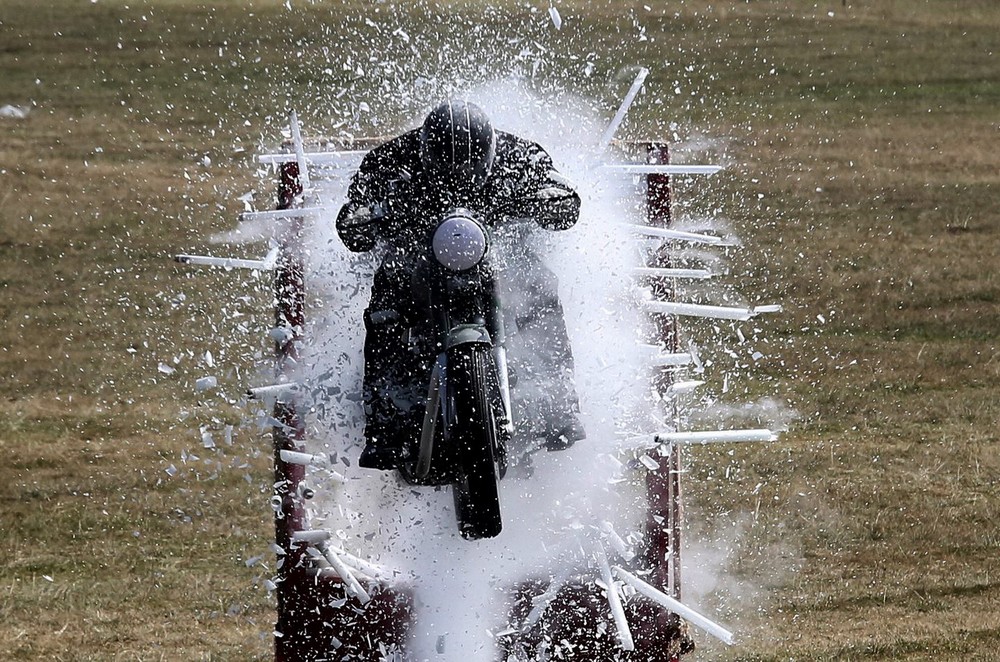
457, 144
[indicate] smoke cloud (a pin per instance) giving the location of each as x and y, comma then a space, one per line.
462, 585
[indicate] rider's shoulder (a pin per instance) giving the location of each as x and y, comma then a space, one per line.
393, 151
514, 148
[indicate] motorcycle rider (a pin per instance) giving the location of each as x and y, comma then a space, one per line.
457, 159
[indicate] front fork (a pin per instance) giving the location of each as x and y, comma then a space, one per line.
503, 382
463, 298
437, 408
437, 397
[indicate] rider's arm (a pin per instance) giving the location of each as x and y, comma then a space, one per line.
373, 207
357, 220
545, 196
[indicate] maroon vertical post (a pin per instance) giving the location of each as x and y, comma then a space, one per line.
662, 485
663, 488
289, 320
316, 615
288, 433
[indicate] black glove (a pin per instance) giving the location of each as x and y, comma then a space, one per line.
387, 218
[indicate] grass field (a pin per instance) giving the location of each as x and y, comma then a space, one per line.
865, 180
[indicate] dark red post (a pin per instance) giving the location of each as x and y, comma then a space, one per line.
289, 319
663, 486
317, 619
289, 433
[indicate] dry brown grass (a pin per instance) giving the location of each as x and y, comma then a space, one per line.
872, 534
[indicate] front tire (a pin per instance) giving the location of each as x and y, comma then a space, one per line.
474, 437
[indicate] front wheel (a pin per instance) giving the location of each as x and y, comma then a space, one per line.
474, 437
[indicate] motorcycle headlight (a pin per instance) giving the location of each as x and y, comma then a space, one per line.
459, 242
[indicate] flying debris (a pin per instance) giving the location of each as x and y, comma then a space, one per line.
11, 112
206, 383
556, 18
367, 566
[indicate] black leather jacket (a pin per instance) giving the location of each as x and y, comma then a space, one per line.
391, 197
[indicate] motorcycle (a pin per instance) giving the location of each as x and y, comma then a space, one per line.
467, 421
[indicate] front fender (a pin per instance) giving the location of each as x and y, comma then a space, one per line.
466, 334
